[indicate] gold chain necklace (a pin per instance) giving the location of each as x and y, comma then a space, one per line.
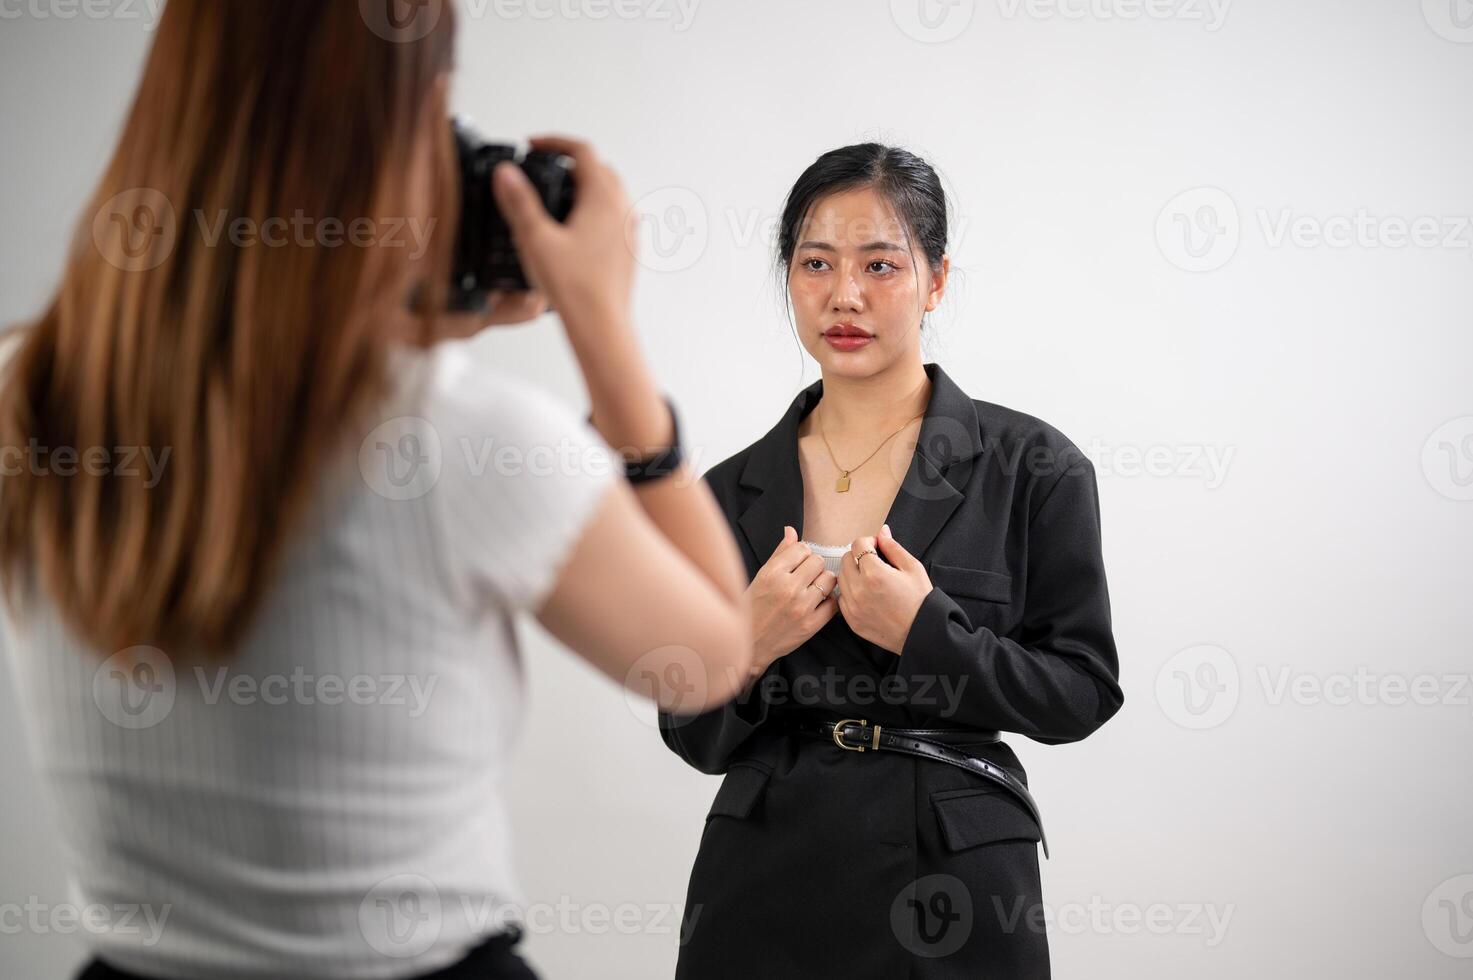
843, 483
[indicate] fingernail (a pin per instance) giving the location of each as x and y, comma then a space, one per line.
887, 530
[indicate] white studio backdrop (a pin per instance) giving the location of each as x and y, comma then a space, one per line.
1224, 246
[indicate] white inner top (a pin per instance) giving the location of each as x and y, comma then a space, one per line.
831, 554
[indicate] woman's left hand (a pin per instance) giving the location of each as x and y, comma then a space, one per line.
879, 601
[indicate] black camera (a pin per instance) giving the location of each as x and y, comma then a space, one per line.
485, 259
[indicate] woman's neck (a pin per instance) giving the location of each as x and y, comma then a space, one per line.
857, 408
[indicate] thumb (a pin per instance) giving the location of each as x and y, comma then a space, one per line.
789, 535
893, 550
518, 201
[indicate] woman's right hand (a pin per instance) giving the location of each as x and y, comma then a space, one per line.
585, 265
785, 610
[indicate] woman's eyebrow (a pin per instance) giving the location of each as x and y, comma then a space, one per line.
868, 247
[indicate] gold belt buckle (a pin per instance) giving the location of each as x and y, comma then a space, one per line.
839, 734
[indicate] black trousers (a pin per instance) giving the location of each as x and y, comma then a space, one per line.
494, 959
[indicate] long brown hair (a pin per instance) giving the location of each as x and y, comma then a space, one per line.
236, 363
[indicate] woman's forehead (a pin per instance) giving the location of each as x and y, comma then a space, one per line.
854, 218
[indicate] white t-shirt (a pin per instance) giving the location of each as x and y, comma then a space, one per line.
329, 800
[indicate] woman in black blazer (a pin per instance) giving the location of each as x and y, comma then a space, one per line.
871, 823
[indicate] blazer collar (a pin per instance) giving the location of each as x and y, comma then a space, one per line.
941, 464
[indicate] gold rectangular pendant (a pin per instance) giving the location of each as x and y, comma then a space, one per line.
843, 483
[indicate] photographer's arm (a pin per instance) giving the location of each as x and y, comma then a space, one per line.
633, 605
656, 580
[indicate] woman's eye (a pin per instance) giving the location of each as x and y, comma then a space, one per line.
878, 266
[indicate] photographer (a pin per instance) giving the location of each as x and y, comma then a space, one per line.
212, 654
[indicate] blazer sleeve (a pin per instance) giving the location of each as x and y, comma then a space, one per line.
710, 741
1059, 680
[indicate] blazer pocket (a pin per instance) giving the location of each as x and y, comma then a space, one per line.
975, 583
983, 815
740, 790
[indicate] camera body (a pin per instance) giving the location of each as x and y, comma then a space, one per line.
485, 258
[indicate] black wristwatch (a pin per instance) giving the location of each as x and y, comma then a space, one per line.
663, 463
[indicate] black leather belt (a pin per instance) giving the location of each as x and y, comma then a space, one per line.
857, 734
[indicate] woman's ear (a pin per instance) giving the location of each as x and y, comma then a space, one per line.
938, 283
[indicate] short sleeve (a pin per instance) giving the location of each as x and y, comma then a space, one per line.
522, 474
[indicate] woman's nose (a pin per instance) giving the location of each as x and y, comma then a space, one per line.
847, 294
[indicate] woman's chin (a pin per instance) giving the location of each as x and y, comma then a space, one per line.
856, 363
